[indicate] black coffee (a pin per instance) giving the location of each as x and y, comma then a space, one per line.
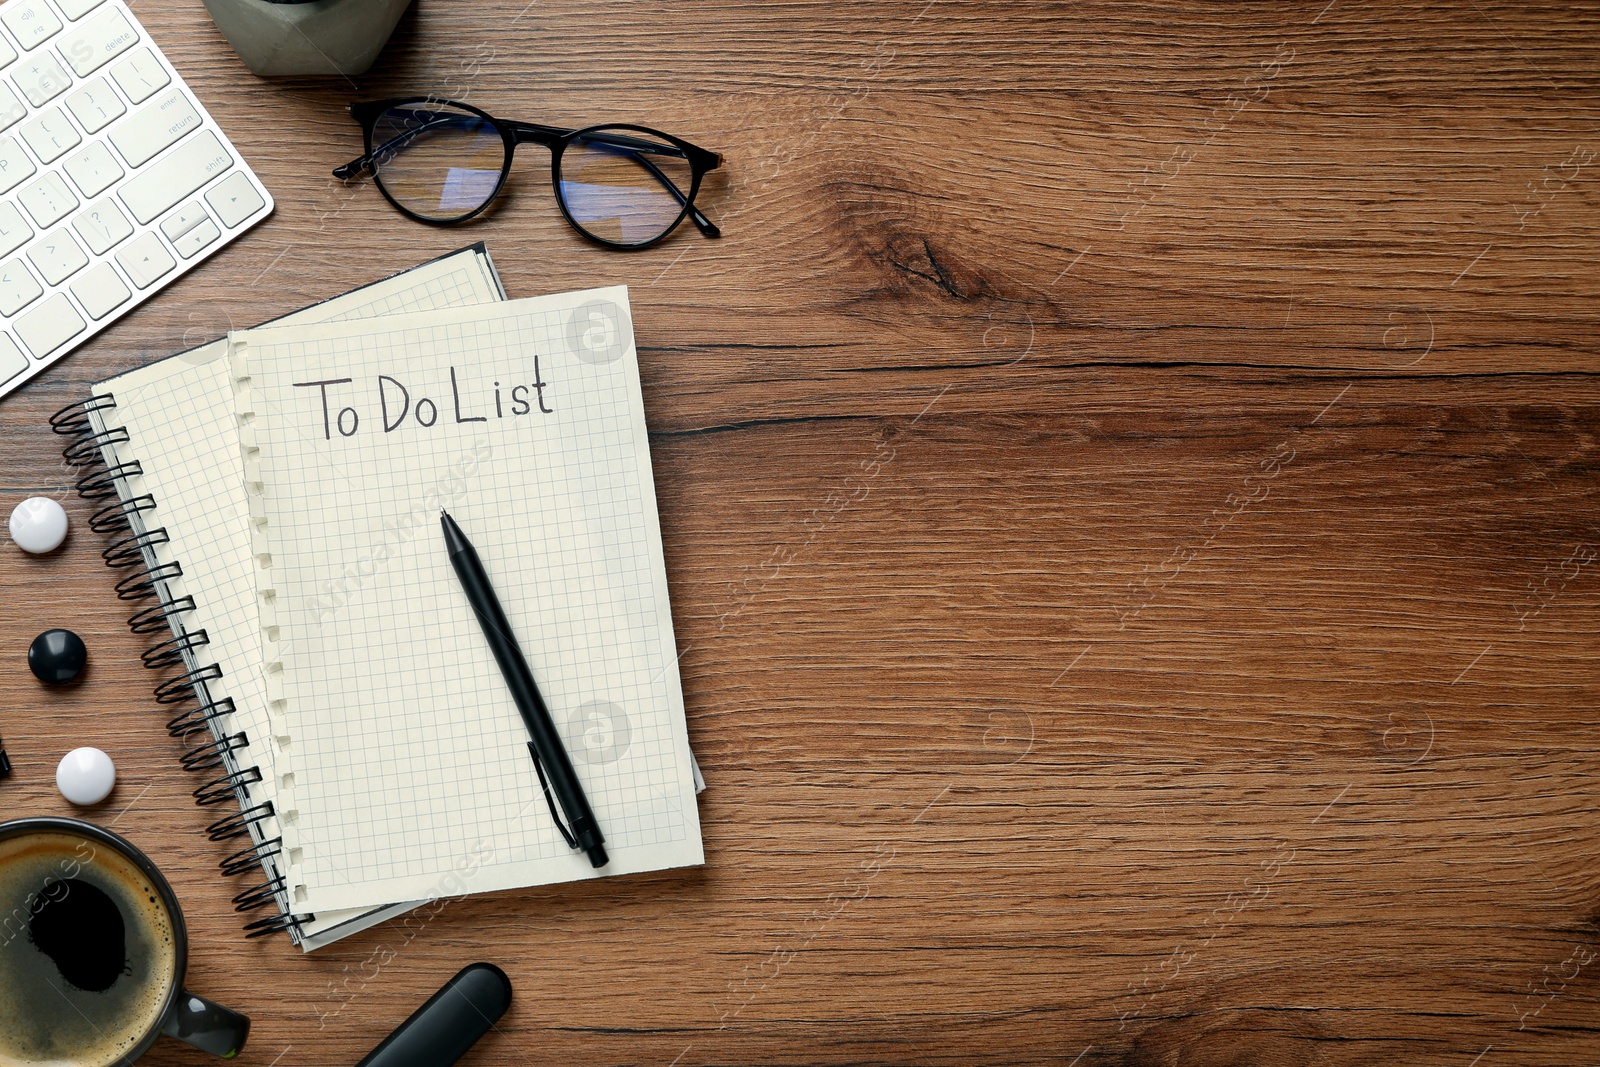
87, 952
81, 930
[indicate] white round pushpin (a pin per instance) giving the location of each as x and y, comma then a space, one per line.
85, 776
38, 524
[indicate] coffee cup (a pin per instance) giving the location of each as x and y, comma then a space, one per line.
93, 951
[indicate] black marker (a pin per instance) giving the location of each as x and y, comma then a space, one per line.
441, 1031
550, 759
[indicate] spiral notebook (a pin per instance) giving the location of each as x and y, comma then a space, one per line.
164, 445
404, 769
163, 448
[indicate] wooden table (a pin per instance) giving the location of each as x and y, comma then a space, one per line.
1128, 481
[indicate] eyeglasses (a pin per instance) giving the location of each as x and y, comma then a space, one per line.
442, 162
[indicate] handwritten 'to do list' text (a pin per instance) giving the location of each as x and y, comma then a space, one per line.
348, 407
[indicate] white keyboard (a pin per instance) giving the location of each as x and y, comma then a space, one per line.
113, 179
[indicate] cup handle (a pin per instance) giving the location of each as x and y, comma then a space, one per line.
207, 1026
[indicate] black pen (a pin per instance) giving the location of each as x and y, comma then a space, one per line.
550, 759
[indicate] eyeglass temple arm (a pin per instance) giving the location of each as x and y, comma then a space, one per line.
640, 149
353, 169
363, 163
532, 131
703, 224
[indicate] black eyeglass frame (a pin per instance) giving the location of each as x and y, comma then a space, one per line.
512, 133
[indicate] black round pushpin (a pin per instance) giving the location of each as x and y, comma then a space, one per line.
56, 656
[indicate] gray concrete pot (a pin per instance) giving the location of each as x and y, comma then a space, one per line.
282, 37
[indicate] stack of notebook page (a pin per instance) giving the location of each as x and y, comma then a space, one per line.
281, 492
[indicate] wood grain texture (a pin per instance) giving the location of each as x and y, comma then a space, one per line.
1128, 478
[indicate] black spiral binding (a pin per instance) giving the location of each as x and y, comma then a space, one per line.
259, 896
157, 617
174, 650
225, 787
194, 720
201, 726
249, 858
85, 450
142, 584
282, 922
187, 685
115, 516
73, 420
209, 755
129, 551
102, 484
238, 824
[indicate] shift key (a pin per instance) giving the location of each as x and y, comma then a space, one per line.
176, 175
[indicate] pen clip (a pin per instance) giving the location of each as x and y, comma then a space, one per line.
555, 816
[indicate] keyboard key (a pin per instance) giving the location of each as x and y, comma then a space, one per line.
234, 199
95, 105
32, 21
15, 166
176, 175
183, 220
51, 135
93, 170
8, 54
12, 110
18, 288
146, 260
76, 9
41, 79
102, 226
12, 361
47, 199
154, 127
100, 291
141, 75
50, 325
95, 42
14, 232
57, 256
190, 244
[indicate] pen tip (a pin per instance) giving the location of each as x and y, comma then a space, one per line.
454, 540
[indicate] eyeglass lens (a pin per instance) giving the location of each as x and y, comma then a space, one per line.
624, 186
437, 161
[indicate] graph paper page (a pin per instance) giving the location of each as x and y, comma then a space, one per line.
181, 419
410, 769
